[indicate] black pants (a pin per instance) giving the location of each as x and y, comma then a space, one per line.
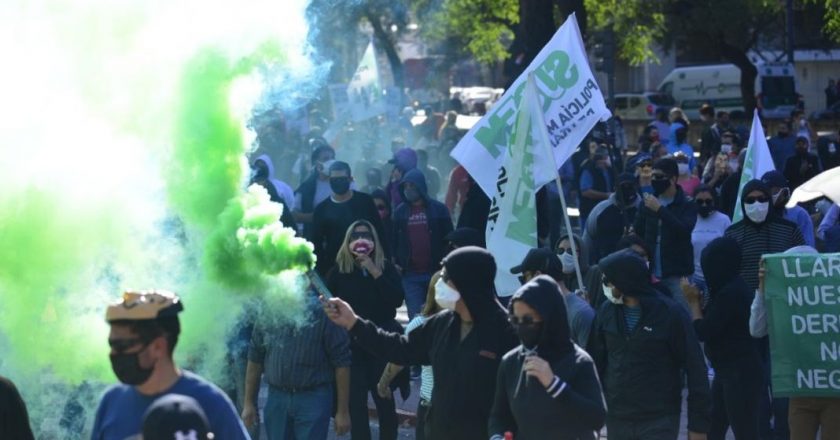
364, 375
420, 429
736, 397
666, 427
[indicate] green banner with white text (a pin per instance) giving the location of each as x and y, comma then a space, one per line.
802, 294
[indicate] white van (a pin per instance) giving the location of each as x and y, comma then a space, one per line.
720, 86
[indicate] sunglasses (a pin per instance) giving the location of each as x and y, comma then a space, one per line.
760, 199
121, 345
704, 202
358, 235
525, 320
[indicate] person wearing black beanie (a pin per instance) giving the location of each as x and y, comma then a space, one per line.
547, 387
464, 344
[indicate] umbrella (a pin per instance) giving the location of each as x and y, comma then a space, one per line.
825, 184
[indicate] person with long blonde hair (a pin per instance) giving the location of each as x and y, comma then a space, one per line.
363, 277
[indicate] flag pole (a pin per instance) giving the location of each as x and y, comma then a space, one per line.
537, 112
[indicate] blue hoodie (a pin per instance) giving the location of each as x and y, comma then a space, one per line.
674, 146
438, 222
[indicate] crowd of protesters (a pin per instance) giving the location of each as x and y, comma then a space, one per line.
669, 306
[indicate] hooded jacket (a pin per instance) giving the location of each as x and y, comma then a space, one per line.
465, 370
404, 160
773, 235
437, 218
607, 223
642, 372
676, 222
279, 192
572, 406
726, 319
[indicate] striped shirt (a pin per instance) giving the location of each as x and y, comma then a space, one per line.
300, 357
427, 379
773, 236
631, 317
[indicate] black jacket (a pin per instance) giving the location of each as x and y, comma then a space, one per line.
330, 223
373, 299
465, 370
677, 223
642, 372
794, 174
726, 320
437, 216
571, 407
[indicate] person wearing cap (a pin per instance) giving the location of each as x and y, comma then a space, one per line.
175, 416
612, 218
596, 181
666, 221
548, 387
14, 419
420, 225
806, 415
144, 333
541, 261
802, 166
404, 160
464, 344
465, 236
780, 194
315, 189
641, 165
644, 348
334, 215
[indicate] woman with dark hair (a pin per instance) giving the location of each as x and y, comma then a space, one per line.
710, 225
724, 328
365, 279
464, 344
548, 387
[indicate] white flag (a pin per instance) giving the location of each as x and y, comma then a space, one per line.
512, 222
364, 92
756, 162
572, 103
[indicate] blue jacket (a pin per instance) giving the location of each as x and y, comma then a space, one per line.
437, 216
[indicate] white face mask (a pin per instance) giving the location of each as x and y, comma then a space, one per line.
568, 261
446, 296
683, 167
757, 212
608, 292
726, 148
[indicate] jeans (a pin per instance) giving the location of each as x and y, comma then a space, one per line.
416, 286
735, 401
809, 414
298, 416
665, 427
364, 375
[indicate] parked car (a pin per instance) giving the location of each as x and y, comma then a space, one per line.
641, 106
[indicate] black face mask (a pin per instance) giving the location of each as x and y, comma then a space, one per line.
530, 334
127, 368
628, 195
339, 185
660, 185
704, 210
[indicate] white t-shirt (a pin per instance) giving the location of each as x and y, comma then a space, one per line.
706, 230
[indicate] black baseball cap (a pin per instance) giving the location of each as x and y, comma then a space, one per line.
175, 416
541, 259
466, 237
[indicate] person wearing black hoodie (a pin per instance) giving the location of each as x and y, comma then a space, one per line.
548, 387
761, 231
724, 328
464, 344
643, 346
14, 419
421, 225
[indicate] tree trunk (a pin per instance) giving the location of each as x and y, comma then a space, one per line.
749, 73
390, 51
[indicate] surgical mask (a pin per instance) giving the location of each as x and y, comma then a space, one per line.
568, 262
726, 148
683, 168
446, 296
339, 185
608, 292
530, 334
411, 194
757, 211
127, 368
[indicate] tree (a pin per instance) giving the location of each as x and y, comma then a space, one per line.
334, 30
727, 29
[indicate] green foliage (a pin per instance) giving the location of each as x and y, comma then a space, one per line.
832, 18
637, 24
482, 29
